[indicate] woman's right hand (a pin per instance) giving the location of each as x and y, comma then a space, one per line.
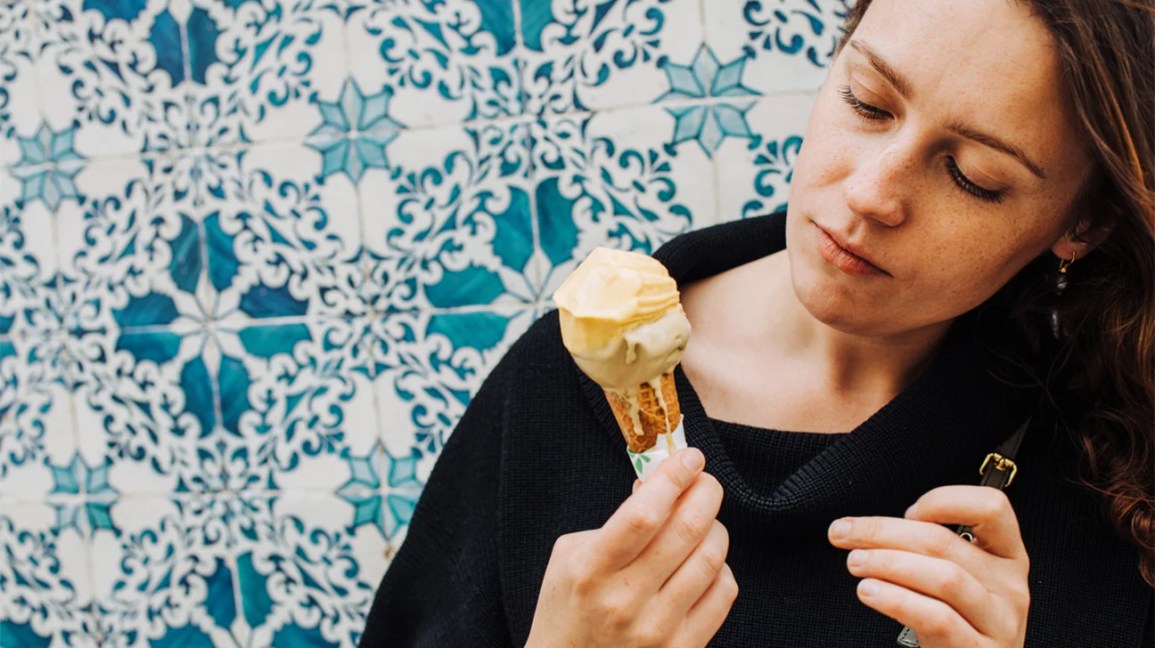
654, 575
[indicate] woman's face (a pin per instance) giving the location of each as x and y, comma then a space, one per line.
941, 150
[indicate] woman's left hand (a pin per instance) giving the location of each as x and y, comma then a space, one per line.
949, 591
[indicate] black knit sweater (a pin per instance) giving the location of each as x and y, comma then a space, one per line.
538, 454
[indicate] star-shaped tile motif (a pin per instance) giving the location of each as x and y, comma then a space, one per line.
99, 495
403, 491
706, 78
363, 491
354, 132
40, 169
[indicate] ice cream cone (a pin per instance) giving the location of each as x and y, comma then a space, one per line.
645, 413
621, 320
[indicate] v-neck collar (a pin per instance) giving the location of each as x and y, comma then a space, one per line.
936, 431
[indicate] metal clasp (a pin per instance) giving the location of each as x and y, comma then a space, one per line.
1001, 464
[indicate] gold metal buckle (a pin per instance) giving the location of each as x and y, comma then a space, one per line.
1001, 464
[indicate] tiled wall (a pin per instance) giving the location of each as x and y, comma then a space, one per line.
256, 255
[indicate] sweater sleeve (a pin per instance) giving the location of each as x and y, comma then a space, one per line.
443, 587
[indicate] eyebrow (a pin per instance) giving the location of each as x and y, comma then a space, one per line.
889, 73
996, 143
903, 86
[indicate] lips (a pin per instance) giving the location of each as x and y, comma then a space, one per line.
844, 256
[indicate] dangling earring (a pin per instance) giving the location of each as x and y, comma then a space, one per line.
1064, 265
1060, 287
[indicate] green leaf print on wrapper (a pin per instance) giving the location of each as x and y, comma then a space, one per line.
639, 461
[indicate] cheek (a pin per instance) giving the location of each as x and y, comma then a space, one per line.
823, 158
962, 272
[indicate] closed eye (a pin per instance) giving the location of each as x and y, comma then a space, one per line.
864, 110
965, 183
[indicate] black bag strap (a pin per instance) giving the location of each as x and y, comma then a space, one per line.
998, 471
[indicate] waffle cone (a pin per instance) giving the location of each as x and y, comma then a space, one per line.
652, 419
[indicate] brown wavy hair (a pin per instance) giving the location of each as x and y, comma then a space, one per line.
1098, 367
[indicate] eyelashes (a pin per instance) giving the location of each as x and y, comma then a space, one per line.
864, 109
873, 113
966, 185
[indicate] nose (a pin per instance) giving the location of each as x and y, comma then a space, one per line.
874, 190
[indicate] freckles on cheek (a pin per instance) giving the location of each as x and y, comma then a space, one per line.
825, 155
958, 270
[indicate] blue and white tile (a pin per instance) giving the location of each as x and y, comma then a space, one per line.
786, 44
709, 99
165, 576
46, 585
258, 68
118, 69
283, 237
755, 179
450, 225
28, 256
148, 401
131, 251
630, 179
354, 128
429, 367
47, 168
37, 435
21, 35
582, 55
298, 406
440, 63
309, 571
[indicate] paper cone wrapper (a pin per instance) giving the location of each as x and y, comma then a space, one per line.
646, 463
650, 420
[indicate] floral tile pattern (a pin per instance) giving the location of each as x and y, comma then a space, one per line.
256, 256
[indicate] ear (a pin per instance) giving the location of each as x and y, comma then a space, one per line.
1084, 237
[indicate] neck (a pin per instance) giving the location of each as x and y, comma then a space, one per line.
857, 365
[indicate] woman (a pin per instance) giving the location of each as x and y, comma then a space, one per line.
968, 245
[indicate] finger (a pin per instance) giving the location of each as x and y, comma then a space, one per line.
937, 578
643, 514
925, 538
696, 574
709, 613
693, 516
935, 622
986, 510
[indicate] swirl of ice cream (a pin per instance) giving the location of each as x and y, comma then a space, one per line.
621, 319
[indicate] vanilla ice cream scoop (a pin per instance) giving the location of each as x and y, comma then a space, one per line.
621, 319
625, 328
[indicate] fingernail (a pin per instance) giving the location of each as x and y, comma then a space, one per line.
868, 588
692, 458
857, 558
839, 529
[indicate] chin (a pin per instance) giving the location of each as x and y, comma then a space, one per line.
834, 306
826, 302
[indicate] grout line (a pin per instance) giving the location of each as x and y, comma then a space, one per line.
365, 268
197, 150
520, 57
537, 254
69, 383
207, 292
234, 323
76, 499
